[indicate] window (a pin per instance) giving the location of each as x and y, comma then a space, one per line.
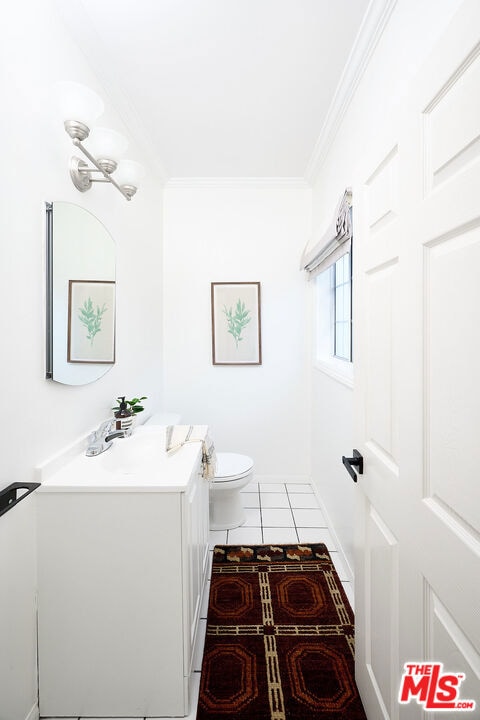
329, 264
342, 315
333, 320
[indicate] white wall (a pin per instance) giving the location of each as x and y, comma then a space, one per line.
236, 233
39, 417
406, 41
18, 622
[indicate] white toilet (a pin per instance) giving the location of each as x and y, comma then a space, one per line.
233, 473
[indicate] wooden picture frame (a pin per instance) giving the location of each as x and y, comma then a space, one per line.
236, 326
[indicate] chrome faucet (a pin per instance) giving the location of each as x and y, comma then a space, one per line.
101, 439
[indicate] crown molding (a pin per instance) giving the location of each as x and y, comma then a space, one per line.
371, 30
236, 183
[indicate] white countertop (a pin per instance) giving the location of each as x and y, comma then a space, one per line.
135, 464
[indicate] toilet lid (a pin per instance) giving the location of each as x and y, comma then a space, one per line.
231, 466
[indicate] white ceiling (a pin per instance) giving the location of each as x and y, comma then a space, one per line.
221, 88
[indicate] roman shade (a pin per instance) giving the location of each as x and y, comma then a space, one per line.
334, 243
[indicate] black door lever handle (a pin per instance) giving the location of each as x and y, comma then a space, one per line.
357, 461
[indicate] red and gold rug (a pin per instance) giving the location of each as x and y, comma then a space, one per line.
280, 637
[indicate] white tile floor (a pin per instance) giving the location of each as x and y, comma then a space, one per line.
276, 513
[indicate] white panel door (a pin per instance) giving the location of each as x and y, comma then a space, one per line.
417, 395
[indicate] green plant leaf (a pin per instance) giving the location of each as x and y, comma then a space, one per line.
91, 317
237, 322
132, 404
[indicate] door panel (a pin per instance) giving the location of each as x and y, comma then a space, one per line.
382, 194
381, 418
452, 121
451, 342
383, 582
447, 640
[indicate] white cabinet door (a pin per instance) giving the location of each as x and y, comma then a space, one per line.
110, 604
196, 543
417, 396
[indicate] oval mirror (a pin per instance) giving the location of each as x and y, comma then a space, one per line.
80, 295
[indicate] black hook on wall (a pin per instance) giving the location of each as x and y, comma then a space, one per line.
9, 496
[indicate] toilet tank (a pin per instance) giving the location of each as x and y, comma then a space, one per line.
164, 418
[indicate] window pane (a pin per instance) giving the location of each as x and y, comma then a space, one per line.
347, 301
346, 342
339, 340
339, 265
342, 314
339, 310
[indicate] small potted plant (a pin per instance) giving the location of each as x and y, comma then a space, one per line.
134, 406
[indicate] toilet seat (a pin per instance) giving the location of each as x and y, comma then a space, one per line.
232, 466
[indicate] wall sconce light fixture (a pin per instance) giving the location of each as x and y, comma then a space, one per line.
80, 108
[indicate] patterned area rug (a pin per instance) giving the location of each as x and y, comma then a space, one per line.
280, 637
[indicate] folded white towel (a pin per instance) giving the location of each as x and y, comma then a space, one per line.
178, 435
209, 459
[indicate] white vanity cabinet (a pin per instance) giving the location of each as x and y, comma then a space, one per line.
121, 574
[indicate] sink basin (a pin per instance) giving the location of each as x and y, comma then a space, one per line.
144, 449
139, 463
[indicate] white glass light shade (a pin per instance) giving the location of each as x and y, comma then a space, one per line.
78, 102
106, 143
129, 172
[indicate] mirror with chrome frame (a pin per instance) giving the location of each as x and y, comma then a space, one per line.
80, 295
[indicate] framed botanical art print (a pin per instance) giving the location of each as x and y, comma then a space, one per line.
91, 321
236, 328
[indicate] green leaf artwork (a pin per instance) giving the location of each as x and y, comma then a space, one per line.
237, 321
91, 317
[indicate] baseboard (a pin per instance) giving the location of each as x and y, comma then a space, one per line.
336, 539
34, 713
294, 479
